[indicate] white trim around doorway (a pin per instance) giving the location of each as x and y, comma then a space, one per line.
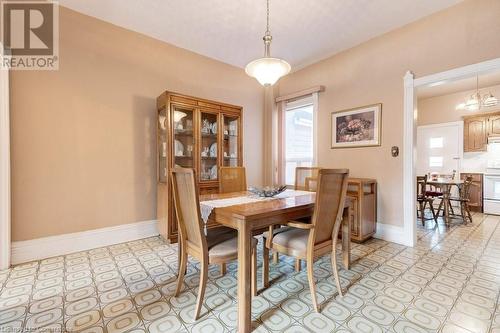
410, 130
4, 168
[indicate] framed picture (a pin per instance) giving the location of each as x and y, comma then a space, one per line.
358, 127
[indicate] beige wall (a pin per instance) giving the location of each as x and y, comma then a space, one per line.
373, 73
442, 109
83, 137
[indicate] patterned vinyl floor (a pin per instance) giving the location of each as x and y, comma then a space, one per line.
449, 283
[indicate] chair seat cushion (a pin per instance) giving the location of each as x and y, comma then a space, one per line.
293, 238
433, 194
275, 231
223, 243
218, 235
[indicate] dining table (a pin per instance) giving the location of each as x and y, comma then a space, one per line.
446, 184
256, 214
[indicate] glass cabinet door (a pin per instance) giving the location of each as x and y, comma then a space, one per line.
162, 146
231, 139
208, 147
183, 144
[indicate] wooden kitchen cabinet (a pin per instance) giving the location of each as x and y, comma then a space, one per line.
478, 128
475, 192
494, 125
475, 134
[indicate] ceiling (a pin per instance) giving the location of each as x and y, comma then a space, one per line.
450, 87
231, 30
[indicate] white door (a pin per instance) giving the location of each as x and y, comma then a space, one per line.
440, 149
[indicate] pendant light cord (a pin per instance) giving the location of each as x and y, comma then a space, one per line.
267, 30
267, 37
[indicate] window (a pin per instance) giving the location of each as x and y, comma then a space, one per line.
298, 131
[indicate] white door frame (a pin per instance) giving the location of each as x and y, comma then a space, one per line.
410, 133
4, 168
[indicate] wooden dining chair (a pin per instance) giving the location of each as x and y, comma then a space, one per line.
232, 179
306, 178
464, 199
220, 246
423, 199
311, 240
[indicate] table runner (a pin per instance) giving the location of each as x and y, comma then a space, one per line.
206, 207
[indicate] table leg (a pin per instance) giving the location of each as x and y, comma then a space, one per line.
346, 238
244, 278
446, 202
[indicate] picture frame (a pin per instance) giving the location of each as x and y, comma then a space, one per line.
357, 127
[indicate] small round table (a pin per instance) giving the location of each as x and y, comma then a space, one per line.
445, 185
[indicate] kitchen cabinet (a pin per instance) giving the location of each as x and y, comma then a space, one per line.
494, 125
475, 134
478, 128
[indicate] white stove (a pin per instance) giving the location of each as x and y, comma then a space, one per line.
491, 195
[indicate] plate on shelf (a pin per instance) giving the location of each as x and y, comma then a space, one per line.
214, 128
179, 148
213, 150
213, 172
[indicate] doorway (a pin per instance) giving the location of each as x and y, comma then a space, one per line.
411, 87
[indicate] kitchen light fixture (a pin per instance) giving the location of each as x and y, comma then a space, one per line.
267, 70
476, 101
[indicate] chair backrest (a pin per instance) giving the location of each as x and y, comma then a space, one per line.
421, 185
465, 188
306, 178
232, 179
187, 206
330, 199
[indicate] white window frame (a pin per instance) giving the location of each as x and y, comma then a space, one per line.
310, 99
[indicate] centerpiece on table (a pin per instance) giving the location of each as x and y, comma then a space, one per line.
267, 191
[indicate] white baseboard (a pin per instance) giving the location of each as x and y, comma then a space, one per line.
46, 247
391, 233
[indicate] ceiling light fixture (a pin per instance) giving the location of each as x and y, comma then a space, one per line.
476, 101
267, 70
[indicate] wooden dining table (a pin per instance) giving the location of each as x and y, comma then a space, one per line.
445, 184
248, 218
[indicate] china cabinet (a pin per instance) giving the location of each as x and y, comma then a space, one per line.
194, 133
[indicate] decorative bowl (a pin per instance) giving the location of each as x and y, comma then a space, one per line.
267, 191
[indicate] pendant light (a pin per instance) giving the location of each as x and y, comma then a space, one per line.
476, 101
267, 70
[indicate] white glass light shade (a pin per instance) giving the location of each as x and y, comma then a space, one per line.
490, 100
268, 70
472, 103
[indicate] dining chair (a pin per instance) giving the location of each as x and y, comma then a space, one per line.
464, 199
232, 179
423, 199
311, 240
306, 178
216, 247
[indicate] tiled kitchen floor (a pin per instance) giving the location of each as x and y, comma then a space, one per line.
448, 283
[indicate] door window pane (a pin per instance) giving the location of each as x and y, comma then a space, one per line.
298, 140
